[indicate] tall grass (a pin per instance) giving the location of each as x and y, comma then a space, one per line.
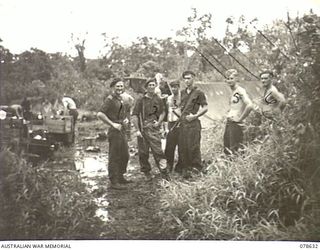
38, 202
259, 194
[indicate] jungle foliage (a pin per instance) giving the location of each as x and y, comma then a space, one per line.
270, 192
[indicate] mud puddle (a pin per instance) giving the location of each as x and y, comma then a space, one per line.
132, 213
93, 171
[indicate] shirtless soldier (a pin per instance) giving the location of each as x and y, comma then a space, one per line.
240, 107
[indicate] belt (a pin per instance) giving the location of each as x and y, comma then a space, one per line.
233, 122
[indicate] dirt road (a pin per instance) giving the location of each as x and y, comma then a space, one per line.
127, 214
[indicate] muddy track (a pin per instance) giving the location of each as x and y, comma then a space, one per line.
127, 214
134, 213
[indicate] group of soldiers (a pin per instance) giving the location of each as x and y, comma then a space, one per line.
179, 112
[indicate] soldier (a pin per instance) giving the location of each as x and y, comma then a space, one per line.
162, 88
240, 107
273, 101
113, 113
147, 116
193, 106
172, 125
46, 108
70, 105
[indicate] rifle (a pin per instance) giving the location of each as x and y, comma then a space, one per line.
141, 117
183, 111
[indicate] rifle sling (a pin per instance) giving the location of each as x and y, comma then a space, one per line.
185, 107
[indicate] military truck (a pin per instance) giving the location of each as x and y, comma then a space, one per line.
24, 137
61, 129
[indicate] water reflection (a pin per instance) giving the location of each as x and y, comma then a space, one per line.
91, 166
92, 169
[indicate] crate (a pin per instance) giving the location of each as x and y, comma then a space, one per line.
37, 122
60, 126
11, 123
42, 148
66, 138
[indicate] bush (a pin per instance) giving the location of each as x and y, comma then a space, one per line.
41, 203
253, 196
270, 191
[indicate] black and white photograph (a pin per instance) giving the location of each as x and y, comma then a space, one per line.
152, 124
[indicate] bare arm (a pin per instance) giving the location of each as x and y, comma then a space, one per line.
105, 119
135, 121
161, 117
202, 110
248, 107
280, 98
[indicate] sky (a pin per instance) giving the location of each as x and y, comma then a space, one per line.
48, 24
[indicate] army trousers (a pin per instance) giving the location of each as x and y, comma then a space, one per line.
233, 137
151, 140
118, 154
189, 144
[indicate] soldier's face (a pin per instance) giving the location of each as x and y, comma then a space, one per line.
231, 80
118, 88
266, 80
175, 89
188, 79
151, 87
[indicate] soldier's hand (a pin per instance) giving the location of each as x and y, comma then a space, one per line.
117, 126
126, 121
190, 117
156, 124
236, 120
138, 134
164, 133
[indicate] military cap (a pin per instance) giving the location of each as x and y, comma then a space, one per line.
115, 81
175, 83
188, 72
150, 80
267, 72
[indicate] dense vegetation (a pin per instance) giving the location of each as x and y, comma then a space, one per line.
43, 202
269, 192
